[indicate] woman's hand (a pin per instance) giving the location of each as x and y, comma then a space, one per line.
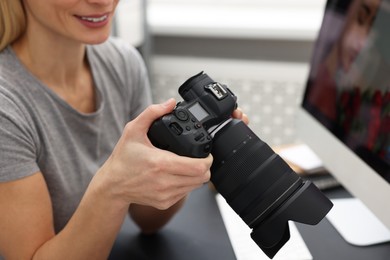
139, 173
238, 114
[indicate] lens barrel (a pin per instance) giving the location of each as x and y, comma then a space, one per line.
260, 186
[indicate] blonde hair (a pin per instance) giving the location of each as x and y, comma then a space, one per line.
12, 21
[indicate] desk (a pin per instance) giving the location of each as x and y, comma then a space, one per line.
198, 233
324, 242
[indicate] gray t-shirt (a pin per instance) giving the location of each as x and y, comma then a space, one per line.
39, 131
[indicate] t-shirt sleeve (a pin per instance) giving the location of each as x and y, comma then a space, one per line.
18, 152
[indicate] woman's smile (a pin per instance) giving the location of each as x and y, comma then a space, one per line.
94, 21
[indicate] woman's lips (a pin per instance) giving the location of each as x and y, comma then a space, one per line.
93, 21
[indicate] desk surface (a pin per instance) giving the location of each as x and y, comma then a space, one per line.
198, 232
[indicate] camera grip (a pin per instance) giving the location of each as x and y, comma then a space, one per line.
182, 135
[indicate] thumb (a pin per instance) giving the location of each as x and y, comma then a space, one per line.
153, 112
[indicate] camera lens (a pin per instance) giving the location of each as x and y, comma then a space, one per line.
248, 174
261, 188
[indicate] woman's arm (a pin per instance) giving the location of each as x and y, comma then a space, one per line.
27, 230
150, 219
135, 173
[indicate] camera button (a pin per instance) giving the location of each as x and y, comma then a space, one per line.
176, 128
188, 128
181, 114
199, 136
207, 148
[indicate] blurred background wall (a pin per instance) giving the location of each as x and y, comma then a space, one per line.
260, 48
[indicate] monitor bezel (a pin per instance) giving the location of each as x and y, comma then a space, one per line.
348, 168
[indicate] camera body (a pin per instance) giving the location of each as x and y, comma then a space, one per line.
185, 130
256, 182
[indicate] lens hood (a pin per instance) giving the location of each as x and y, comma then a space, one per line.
307, 205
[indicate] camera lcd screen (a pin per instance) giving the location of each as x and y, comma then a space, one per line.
198, 111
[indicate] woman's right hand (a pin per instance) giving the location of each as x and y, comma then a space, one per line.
137, 172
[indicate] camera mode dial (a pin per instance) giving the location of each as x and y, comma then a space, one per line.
181, 114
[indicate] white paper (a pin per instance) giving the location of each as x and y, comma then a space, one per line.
347, 216
301, 156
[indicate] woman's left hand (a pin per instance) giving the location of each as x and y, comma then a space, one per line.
238, 114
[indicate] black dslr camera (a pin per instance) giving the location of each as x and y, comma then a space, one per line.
257, 184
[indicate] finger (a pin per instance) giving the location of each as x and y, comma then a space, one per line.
189, 181
237, 113
169, 202
174, 184
153, 112
192, 167
170, 195
245, 119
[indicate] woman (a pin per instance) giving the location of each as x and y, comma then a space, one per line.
74, 116
339, 62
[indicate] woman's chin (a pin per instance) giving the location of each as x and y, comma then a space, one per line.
96, 40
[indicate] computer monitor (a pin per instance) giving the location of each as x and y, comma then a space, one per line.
345, 112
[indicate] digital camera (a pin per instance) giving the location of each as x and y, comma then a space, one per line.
257, 184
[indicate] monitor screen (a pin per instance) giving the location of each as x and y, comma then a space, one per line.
345, 112
348, 90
